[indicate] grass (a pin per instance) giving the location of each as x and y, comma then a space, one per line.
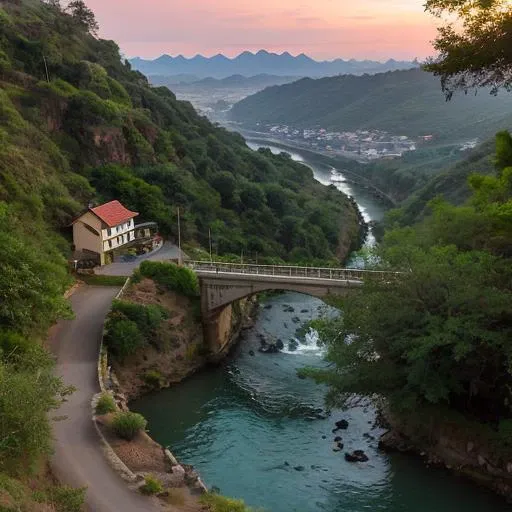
175, 497
218, 503
98, 280
105, 404
127, 425
151, 486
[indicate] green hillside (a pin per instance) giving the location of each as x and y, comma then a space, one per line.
401, 102
77, 124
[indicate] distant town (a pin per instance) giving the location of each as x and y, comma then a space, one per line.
361, 144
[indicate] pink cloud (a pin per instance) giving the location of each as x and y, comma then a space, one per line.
324, 29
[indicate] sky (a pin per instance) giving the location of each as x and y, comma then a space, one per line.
323, 29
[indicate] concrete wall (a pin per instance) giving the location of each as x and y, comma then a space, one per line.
222, 330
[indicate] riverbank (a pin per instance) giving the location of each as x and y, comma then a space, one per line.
444, 439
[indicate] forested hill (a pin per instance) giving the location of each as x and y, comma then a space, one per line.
91, 128
401, 102
77, 124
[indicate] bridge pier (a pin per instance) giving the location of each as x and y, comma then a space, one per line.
221, 291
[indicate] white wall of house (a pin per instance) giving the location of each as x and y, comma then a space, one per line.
118, 235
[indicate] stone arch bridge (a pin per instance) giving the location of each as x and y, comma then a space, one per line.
222, 284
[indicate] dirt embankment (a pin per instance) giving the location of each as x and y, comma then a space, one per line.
179, 348
462, 448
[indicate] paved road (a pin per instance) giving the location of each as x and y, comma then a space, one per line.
79, 460
169, 251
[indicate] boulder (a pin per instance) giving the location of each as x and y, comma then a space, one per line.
280, 344
299, 468
356, 456
342, 424
337, 439
251, 352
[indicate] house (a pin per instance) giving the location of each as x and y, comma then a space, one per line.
103, 230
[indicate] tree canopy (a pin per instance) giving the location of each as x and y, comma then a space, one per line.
475, 49
440, 333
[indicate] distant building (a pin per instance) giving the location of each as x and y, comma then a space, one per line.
102, 229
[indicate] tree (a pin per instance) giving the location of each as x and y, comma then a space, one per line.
83, 15
475, 50
439, 333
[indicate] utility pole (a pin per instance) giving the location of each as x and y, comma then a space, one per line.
179, 238
210, 240
46, 69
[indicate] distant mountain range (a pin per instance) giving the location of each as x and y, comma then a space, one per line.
262, 62
402, 102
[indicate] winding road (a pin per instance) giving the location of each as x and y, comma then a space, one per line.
78, 459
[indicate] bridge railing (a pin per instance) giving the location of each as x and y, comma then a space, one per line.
289, 271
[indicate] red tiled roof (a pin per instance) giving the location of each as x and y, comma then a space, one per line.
113, 213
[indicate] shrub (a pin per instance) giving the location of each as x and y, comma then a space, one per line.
151, 486
147, 318
153, 378
105, 404
178, 279
67, 499
127, 425
123, 337
218, 503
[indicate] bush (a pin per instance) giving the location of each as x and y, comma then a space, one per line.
151, 486
123, 337
105, 404
218, 503
153, 378
178, 279
67, 499
147, 318
127, 425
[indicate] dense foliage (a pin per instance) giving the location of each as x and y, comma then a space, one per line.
74, 116
130, 326
173, 277
400, 102
440, 333
101, 124
474, 47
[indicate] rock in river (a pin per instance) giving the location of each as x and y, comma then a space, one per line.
342, 424
356, 456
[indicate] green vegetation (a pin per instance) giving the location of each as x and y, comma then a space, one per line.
400, 102
439, 335
105, 404
153, 378
130, 326
177, 279
127, 425
217, 503
17, 497
99, 280
152, 485
473, 45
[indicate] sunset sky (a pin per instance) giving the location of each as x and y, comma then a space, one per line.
376, 29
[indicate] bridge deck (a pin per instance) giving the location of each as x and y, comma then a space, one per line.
265, 271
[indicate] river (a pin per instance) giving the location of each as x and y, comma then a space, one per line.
255, 431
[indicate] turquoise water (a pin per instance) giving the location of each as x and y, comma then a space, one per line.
252, 428
248, 424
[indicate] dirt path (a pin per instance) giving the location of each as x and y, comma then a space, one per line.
78, 459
